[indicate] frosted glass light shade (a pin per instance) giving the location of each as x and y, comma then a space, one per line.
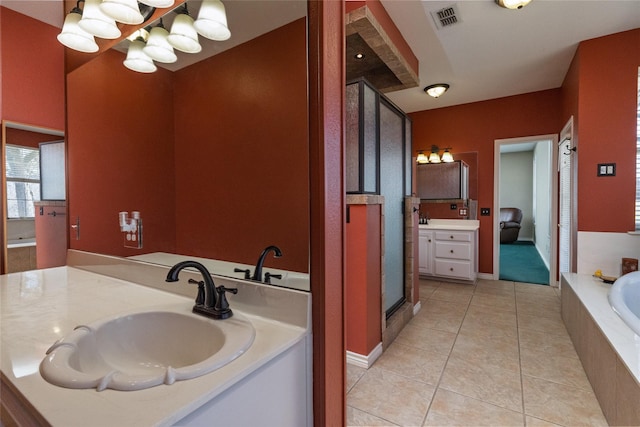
513, 4
158, 3
95, 22
434, 158
125, 11
212, 21
74, 37
422, 158
158, 47
183, 35
137, 60
447, 157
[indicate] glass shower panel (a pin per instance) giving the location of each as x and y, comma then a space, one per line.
352, 139
392, 186
369, 149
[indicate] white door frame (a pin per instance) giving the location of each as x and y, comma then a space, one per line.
553, 262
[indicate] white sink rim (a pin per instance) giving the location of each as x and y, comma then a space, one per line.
624, 298
59, 367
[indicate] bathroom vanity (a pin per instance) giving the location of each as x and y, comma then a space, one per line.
448, 249
40, 307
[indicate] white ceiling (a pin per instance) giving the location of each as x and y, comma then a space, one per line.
493, 52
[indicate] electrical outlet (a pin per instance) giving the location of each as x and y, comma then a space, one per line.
485, 211
454, 206
463, 212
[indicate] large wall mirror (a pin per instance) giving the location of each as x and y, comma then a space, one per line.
214, 154
21, 182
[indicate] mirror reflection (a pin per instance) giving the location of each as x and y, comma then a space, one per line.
21, 184
213, 155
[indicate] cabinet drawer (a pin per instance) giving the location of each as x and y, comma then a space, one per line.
453, 250
452, 268
454, 236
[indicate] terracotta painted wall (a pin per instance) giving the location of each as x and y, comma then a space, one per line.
120, 154
251, 169
606, 129
363, 281
474, 127
32, 71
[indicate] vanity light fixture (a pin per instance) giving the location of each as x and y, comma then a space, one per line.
73, 36
512, 4
137, 60
212, 21
183, 35
447, 157
125, 11
95, 22
422, 158
436, 90
158, 47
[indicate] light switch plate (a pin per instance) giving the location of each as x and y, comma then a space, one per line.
485, 211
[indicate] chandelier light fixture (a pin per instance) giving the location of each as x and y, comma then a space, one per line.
436, 90
73, 36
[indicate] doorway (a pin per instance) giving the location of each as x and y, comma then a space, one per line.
538, 200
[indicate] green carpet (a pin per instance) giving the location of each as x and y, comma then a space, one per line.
521, 262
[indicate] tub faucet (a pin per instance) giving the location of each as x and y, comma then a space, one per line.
209, 304
257, 273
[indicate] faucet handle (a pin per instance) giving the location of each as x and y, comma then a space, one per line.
247, 272
200, 297
268, 276
222, 305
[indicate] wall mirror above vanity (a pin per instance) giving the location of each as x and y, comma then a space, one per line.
213, 152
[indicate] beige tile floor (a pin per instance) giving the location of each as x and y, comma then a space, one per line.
496, 353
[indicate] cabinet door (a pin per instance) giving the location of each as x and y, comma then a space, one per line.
425, 252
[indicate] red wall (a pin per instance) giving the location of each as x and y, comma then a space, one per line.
251, 170
363, 280
120, 154
475, 127
606, 98
32, 71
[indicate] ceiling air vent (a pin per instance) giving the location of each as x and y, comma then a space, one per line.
446, 17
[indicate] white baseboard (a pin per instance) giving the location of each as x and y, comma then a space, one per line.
485, 276
364, 361
416, 308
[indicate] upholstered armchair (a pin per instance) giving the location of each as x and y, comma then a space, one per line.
510, 219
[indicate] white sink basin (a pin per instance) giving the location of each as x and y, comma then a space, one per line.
139, 350
624, 297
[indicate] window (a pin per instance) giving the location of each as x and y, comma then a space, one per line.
638, 158
23, 181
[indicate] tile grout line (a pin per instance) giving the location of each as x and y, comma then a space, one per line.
437, 386
515, 300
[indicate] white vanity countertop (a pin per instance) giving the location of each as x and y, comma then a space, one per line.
593, 294
39, 307
451, 224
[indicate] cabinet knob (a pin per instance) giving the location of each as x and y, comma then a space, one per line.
451, 237
451, 251
451, 269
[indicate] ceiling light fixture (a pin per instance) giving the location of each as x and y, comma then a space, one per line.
183, 35
436, 90
359, 55
95, 22
512, 4
158, 47
73, 36
212, 21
